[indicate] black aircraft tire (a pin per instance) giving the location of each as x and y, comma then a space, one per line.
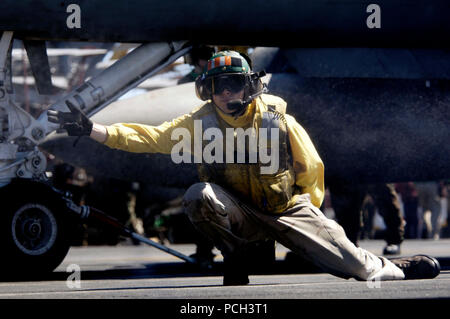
34, 234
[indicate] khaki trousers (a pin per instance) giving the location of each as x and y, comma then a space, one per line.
304, 229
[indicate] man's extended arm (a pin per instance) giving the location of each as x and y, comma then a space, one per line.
139, 138
131, 137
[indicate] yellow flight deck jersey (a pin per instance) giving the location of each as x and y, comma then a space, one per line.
306, 172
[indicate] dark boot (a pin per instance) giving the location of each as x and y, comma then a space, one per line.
235, 271
258, 255
418, 267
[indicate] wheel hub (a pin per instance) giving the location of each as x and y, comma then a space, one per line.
34, 229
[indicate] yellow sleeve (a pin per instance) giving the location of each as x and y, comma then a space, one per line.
308, 166
140, 138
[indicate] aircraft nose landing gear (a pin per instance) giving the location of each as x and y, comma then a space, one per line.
35, 230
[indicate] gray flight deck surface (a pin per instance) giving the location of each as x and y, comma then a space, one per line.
127, 271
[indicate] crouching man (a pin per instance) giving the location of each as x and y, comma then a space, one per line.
261, 176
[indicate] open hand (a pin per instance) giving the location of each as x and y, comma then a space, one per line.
75, 122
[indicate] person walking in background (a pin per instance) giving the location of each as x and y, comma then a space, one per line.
410, 199
347, 200
430, 200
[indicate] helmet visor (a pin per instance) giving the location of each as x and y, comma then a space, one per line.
231, 82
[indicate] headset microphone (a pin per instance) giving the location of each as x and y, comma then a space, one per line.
238, 106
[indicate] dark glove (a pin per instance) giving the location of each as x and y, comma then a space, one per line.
75, 122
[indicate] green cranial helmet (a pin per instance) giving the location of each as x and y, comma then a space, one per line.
226, 62
223, 62
234, 69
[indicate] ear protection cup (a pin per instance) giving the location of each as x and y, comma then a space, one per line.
256, 84
200, 88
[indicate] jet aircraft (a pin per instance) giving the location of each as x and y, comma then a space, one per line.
369, 82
